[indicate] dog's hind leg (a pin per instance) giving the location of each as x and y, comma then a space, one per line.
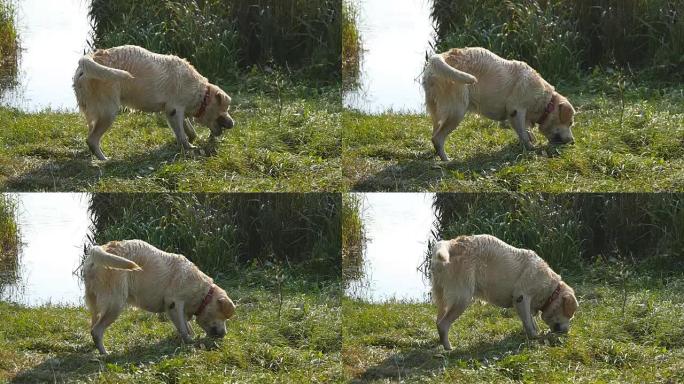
175, 118
97, 128
189, 130
458, 305
438, 298
106, 318
442, 130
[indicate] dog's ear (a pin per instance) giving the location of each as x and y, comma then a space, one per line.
569, 305
222, 98
227, 307
565, 112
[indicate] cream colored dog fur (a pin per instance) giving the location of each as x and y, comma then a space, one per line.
476, 79
482, 266
135, 272
150, 82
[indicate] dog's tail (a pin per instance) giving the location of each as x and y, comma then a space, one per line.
93, 69
110, 260
440, 252
438, 66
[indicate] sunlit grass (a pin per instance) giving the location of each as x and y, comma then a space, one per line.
53, 344
630, 331
638, 148
288, 142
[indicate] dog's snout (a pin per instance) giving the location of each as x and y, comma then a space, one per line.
226, 122
217, 332
559, 328
560, 140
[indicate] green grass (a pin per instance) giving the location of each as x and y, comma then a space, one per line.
53, 344
282, 141
640, 342
640, 150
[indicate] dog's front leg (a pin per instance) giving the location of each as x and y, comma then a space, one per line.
519, 123
176, 312
189, 328
522, 306
175, 117
189, 130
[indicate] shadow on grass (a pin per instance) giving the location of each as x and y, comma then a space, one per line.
423, 173
62, 173
424, 361
75, 366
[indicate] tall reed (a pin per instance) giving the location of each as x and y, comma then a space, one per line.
9, 45
9, 230
220, 37
559, 37
222, 231
353, 236
568, 228
351, 44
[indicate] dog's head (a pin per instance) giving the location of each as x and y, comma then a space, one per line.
216, 115
556, 126
213, 318
558, 313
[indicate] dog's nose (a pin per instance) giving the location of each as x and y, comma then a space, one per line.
226, 122
219, 333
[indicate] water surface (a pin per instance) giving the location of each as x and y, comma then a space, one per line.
398, 227
53, 36
395, 36
53, 229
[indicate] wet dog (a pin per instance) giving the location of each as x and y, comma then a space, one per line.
484, 267
143, 80
476, 79
135, 272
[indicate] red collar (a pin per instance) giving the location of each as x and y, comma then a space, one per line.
206, 300
553, 297
203, 106
549, 108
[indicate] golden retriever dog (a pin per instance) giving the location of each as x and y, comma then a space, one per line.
143, 80
484, 267
476, 79
135, 272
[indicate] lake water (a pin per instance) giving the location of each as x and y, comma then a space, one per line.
53, 229
398, 227
53, 36
396, 36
